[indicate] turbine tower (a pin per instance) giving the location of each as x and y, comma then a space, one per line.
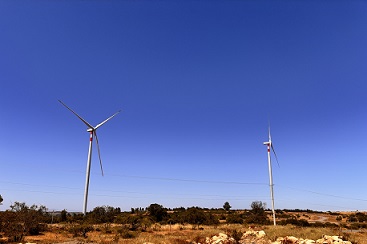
93, 133
269, 145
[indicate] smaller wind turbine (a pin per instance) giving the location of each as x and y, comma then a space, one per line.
93, 133
269, 145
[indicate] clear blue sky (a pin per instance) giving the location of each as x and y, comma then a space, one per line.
197, 82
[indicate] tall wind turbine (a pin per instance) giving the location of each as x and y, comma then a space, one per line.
93, 133
269, 145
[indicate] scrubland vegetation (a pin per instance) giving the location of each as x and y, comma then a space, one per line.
157, 224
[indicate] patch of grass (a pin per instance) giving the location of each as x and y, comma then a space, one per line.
80, 230
273, 232
198, 239
125, 233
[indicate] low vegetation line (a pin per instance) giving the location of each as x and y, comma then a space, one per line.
157, 224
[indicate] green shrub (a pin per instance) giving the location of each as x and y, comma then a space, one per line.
355, 226
234, 219
22, 220
157, 212
296, 222
80, 229
126, 233
102, 214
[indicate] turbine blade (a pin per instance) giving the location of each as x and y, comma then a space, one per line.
99, 152
269, 132
85, 122
100, 124
272, 148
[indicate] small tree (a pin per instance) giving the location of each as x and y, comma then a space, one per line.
195, 215
157, 212
63, 215
226, 206
258, 214
258, 208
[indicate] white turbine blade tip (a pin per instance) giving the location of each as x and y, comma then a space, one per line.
100, 124
269, 134
77, 115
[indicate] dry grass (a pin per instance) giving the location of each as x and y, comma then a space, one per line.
273, 232
176, 234
180, 234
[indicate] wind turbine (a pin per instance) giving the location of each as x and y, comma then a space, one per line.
93, 133
269, 145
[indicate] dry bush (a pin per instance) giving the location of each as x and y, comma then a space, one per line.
80, 230
22, 220
236, 235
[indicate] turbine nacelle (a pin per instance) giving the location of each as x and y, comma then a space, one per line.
90, 129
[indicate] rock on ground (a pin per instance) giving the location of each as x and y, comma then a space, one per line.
258, 237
